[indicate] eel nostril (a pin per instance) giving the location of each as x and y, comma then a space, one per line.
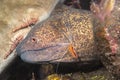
33, 40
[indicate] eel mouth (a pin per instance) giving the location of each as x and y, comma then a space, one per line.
32, 56
50, 54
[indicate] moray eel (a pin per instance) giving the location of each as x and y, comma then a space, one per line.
49, 40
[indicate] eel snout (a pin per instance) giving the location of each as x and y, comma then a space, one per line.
33, 52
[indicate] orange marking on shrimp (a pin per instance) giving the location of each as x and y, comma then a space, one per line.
72, 51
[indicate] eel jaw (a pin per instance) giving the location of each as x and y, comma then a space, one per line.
50, 54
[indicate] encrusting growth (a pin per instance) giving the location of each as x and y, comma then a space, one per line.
103, 9
102, 12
